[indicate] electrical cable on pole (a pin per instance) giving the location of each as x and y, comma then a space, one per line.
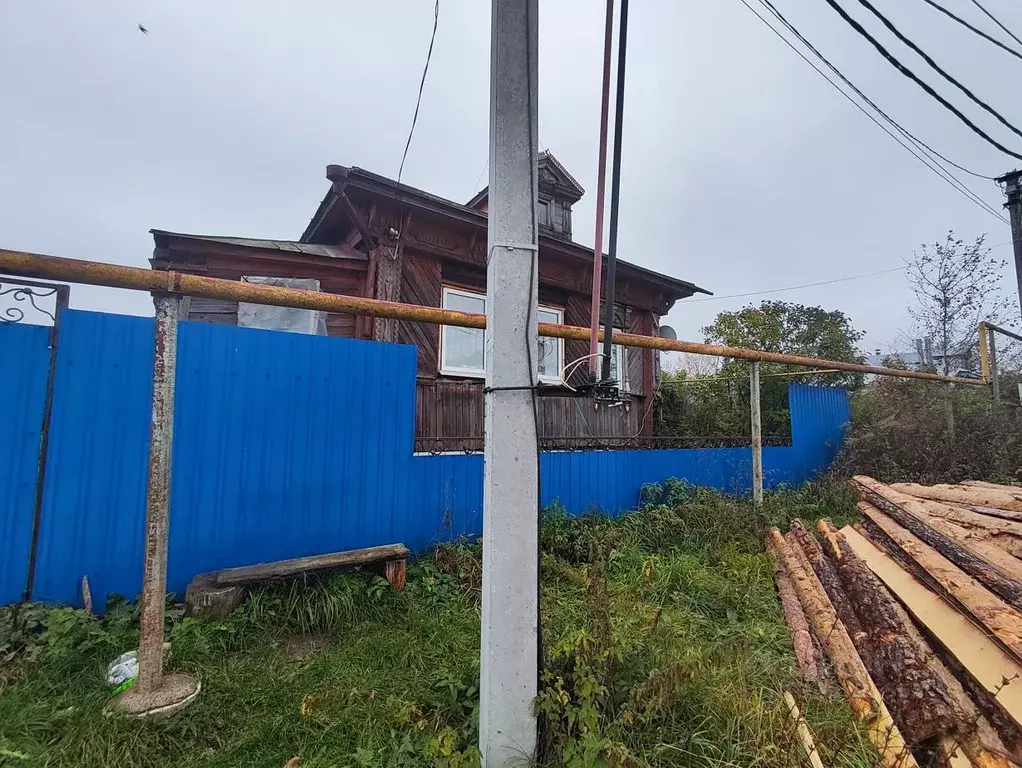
930, 163
971, 28
936, 67
615, 196
894, 62
994, 19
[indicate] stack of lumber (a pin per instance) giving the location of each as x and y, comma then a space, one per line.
915, 613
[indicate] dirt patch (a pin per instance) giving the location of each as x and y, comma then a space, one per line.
300, 646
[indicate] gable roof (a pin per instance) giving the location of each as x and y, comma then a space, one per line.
552, 175
371, 185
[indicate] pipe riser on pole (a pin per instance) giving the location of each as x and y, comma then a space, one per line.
601, 194
615, 196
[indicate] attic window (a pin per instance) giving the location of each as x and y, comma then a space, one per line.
543, 213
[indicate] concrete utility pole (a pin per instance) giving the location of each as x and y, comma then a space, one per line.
1013, 190
509, 674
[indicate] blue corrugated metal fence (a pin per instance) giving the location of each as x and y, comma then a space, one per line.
285, 445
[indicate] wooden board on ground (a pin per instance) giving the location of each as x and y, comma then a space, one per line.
1002, 621
230, 577
976, 555
984, 659
963, 494
1012, 489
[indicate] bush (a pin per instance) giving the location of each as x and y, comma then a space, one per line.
900, 432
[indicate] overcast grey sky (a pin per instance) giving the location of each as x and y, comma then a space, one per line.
743, 170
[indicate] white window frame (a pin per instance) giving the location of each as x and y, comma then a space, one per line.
559, 367
473, 373
447, 370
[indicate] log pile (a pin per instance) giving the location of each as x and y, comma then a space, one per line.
916, 612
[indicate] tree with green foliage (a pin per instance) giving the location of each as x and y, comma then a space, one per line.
718, 404
791, 329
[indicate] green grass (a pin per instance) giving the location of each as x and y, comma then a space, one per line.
661, 629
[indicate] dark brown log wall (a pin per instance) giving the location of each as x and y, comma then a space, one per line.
421, 284
449, 417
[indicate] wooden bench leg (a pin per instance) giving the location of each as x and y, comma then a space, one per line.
395, 572
205, 600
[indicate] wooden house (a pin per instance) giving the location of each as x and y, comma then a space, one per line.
376, 238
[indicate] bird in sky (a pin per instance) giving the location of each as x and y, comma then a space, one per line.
143, 30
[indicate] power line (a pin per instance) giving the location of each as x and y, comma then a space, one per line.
914, 78
815, 285
901, 129
796, 287
970, 27
995, 21
935, 67
930, 163
418, 100
904, 131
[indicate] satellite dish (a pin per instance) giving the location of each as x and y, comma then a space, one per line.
666, 332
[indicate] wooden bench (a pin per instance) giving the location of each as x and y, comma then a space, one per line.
215, 594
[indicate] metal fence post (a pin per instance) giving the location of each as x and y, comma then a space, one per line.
62, 294
950, 408
757, 435
995, 379
155, 692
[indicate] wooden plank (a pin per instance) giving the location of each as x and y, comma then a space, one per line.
972, 555
964, 494
1015, 490
1003, 621
803, 732
248, 574
1004, 533
987, 662
987, 542
1004, 514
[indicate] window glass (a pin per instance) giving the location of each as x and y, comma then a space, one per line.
550, 362
463, 352
617, 364
463, 347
